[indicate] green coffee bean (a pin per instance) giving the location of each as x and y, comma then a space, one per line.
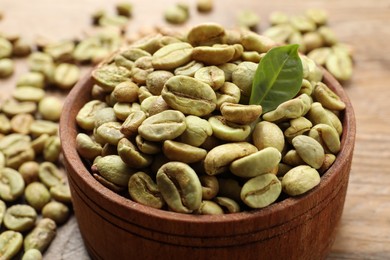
172, 56
297, 127
50, 175
177, 151
39, 143
50, 108
215, 55
327, 136
144, 190
179, 186
11, 184
258, 163
32, 254
108, 76
6, 67
267, 134
261, 191
240, 114
206, 34
131, 156
10, 244
290, 109
29, 171
196, 132
208, 207
21, 123
86, 147
61, 193
309, 150
243, 76
228, 131
26, 93
228, 205
109, 133
56, 211
189, 95
211, 75
32, 79
163, 126
5, 47
37, 195
189, 69
52, 149
124, 9
327, 97
176, 14
300, 179
210, 186
41, 236
113, 169
20, 218
204, 6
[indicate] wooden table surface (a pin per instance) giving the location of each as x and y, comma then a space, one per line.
364, 230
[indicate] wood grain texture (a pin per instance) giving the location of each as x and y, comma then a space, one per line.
364, 231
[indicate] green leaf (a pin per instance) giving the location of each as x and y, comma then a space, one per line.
278, 77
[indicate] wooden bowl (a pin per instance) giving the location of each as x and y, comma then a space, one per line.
114, 227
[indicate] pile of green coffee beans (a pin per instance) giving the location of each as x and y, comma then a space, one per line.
169, 125
316, 39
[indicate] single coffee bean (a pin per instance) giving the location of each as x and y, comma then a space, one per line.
21, 123
210, 186
267, 134
32, 79
300, 179
50, 175
27, 93
6, 67
108, 76
211, 75
144, 190
10, 244
37, 195
228, 205
41, 236
113, 169
255, 164
11, 184
177, 151
87, 147
240, 114
32, 254
50, 108
29, 171
309, 150
56, 211
206, 34
61, 193
172, 56
180, 187
228, 131
297, 127
215, 55
20, 218
5, 47
189, 95
166, 125
131, 156
261, 191
208, 207
52, 149
40, 127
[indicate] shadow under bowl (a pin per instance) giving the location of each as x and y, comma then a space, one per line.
114, 227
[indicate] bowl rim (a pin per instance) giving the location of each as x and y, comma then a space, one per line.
121, 205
